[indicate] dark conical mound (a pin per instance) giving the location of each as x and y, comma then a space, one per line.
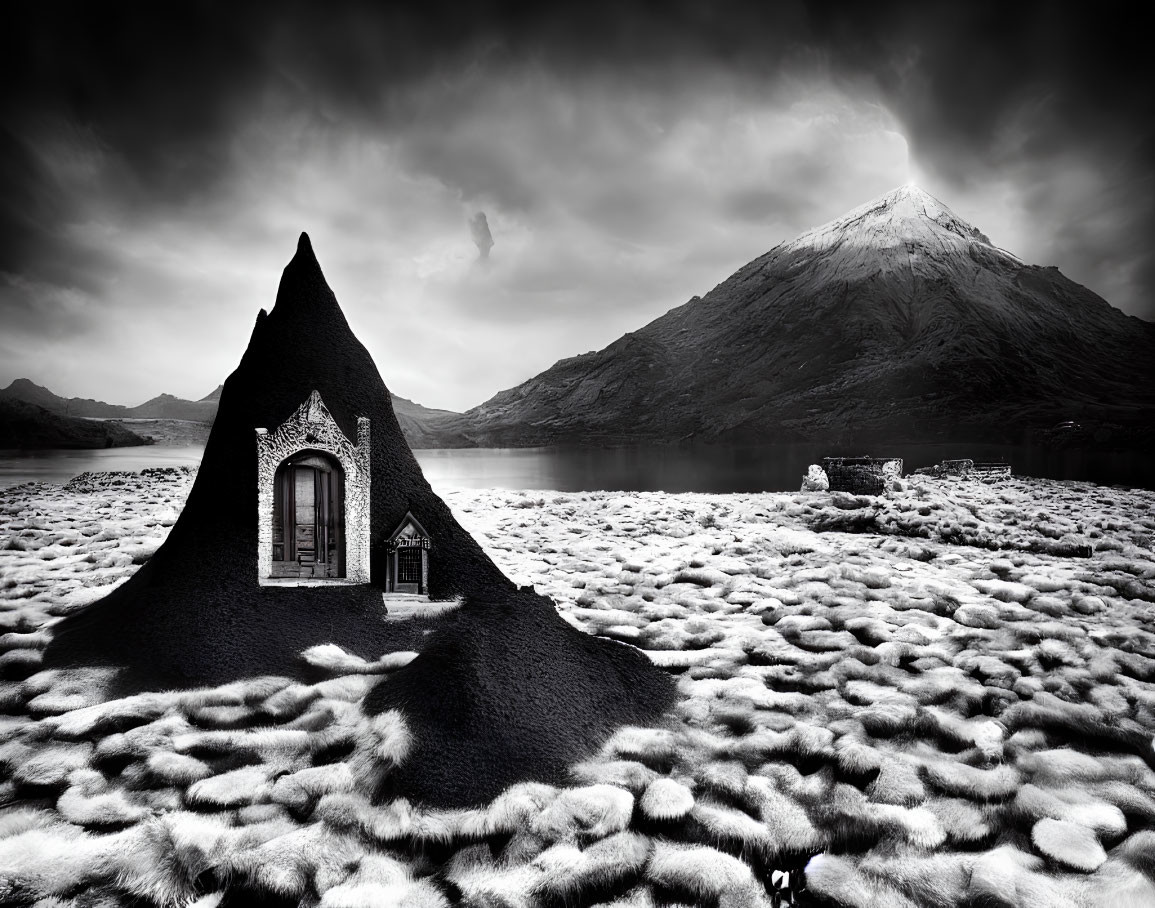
195, 613
508, 691
505, 690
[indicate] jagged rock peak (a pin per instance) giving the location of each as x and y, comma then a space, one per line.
903, 215
305, 257
303, 289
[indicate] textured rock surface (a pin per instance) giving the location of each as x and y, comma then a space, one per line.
815, 479
897, 322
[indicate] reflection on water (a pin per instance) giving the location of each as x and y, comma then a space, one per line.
737, 468
56, 466
674, 468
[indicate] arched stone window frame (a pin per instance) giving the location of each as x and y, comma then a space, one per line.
312, 428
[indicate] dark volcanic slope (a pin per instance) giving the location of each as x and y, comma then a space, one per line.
27, 426
506, 690
503, 690
194, 612
897, 322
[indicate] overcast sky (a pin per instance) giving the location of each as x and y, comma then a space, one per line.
490, 188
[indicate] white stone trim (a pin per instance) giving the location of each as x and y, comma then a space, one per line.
312, 428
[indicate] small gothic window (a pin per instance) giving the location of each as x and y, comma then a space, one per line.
409, 566
409, 558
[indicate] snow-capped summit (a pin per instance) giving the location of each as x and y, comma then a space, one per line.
905, 214
905, 229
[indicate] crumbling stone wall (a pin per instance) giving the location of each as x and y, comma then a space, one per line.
861, 475
965, 468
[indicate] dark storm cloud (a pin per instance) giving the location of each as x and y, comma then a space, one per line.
618, 144
164, 80
1047, 95
482, 238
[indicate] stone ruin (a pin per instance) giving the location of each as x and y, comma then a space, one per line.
861, 475
965, 468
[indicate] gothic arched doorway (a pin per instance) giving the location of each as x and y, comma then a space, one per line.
309, 517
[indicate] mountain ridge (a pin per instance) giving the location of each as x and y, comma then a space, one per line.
414, 417
163, 405
26, 426
896, 322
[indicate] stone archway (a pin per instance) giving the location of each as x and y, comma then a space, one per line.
310, 452
309, 517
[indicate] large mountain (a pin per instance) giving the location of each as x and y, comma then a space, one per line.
898, 322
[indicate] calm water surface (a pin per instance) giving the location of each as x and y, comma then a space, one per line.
18, 467
690, 468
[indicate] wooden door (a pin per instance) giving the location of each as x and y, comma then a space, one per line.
304, 515
308, 519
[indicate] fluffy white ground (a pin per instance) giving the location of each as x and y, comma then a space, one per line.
63, 546
940, 695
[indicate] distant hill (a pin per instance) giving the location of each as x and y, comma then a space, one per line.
415, 419
165, 406
30, 392
168, 432
898, 322
27, 426
419, 424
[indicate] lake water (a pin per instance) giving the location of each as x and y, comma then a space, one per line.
18, 467
675, 468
